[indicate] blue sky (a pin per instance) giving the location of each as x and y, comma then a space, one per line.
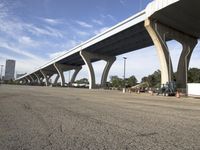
34, 31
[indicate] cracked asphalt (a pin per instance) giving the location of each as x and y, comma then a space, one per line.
48, 118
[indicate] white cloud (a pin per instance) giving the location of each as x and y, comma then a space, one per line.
84, 24
15, 28
52, 21
43, 31
13, 41
26, 66
11, 28
70, 44
109, 16
82, 33
56, 54
3, 10
99, 22
27, 41
101, 30
18, 51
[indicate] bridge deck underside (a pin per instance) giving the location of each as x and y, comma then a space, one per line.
183, 16
133, 38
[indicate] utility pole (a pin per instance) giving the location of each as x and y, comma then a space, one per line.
124, 89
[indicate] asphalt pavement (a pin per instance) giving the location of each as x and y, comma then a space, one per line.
50, 118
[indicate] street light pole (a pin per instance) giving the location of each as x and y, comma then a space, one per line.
124, 89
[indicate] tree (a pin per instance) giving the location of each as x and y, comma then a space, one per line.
82, 81
153, 80
116, 81
119, 82
194, 75
131, 81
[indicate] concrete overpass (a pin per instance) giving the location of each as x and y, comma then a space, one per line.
159, 22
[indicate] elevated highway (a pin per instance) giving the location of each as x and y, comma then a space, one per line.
159, 22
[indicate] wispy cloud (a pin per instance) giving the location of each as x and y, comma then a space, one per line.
101, 30
112, 17
84, 24
3, 10
15, 28
43, 31
52, 21
82, 33
13, 39
70, 44
18, 51
56, 54
123, 2
28, 41
99, 22
108, 16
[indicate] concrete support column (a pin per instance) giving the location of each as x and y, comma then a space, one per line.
41, 79
87, 59
38, 79
86, 56
159, 33
28, 80
106, 70
158, 37
60, 72
60, 68
32, 79
75, 74
45, 77
188, 47
56, 79
24, 81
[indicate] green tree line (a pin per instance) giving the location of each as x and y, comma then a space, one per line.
153, 79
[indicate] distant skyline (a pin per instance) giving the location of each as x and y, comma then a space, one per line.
32, 32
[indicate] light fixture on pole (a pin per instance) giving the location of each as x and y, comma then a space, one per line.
124, 88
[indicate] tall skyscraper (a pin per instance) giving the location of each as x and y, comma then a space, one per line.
9, 70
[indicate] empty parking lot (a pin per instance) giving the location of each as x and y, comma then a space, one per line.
34, 118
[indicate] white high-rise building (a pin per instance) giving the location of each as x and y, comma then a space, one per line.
9, 70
